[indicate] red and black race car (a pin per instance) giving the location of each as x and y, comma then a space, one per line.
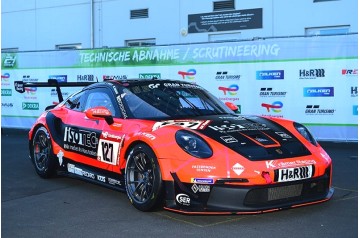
173, 144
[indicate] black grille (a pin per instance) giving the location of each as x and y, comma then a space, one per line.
289, 192
224, 5
141, 13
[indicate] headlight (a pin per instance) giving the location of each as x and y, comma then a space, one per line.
305, 133
193, 144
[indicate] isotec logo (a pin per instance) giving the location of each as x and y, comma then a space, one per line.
232, 89
30, 106
190, 74
270, 75
275, 106
59, 78
319, 92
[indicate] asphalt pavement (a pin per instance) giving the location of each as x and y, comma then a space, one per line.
65, 207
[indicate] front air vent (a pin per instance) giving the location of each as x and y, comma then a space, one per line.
139, 13
224, 5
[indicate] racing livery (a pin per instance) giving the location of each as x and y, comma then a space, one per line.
173, 144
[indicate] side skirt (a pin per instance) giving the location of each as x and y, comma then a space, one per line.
91, 174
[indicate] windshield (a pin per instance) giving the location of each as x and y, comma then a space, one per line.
170, 100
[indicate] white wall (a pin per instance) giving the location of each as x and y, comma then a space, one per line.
42, 24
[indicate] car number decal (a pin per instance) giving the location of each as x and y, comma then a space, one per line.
108, 151
294, 174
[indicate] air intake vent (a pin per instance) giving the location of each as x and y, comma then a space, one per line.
140, 13
224, 5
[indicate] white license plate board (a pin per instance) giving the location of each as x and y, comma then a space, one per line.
294, 174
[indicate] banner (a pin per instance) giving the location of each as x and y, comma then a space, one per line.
312, 80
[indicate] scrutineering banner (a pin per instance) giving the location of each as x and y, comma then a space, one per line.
312, 80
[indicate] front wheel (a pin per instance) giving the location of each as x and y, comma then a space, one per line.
143, 178
42, 155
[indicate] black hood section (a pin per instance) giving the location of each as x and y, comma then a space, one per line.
253, 137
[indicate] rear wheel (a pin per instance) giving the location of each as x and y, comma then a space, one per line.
42, 155
143, 178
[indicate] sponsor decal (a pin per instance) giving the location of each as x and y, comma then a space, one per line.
53, 93
311, 73
112, 181
319, 92
268, 92
7, 105
80, 141
228, 139
183, 199
150, 76
9, 61
182, 85
6, 92
283, 135
59, 78
203, 168
60, 156
202, 180
114, 77
238, 169
270, 75
294, 174
101, 178
190, 74
316, 110
354, 91
154, 85
148, 135
275, 106
121, 105
225, 76
351, 72
355, 110
192, 124
5, 78
200, 188
271, 164
106, 135
228, 128
30, 106
86, 78
78, 171
231, 90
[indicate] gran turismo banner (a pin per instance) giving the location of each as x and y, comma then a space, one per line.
312, 80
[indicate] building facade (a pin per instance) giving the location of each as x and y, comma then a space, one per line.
36, 25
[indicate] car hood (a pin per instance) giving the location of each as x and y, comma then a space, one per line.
255, 138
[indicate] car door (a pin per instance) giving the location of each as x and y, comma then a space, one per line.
93, 142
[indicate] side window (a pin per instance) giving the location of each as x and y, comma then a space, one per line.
101, 97
76, 102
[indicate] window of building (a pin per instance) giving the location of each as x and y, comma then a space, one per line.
140, 42
225, 37
68, 46
331, 30
9, 50
324, 0
139, 13
224, 5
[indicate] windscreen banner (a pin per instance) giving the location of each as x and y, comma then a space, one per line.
311, 80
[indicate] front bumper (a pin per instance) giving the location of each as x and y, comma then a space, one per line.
226, 198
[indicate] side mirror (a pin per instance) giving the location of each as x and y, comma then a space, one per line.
100, 112
232, 106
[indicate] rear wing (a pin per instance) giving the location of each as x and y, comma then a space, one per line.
20, 86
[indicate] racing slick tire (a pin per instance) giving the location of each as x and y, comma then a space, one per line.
42, 155
143, 181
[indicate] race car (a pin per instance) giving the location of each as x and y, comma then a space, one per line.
173, 144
